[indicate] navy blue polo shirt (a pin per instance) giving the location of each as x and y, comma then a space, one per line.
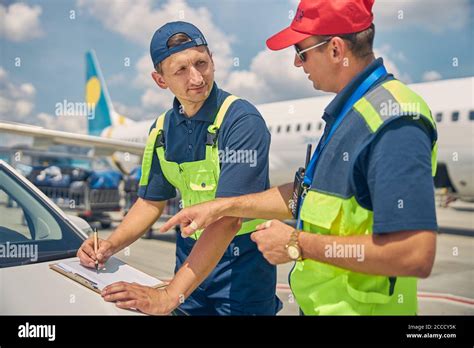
243, 128
392, 176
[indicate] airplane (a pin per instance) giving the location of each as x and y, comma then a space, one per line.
294, 122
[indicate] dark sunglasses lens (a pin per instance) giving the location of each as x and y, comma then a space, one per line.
300, 55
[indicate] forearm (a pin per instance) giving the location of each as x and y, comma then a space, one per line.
204, 257
138, 220
396, 254
269, 204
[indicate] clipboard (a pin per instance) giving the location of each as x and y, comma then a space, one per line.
76, 277
86, 282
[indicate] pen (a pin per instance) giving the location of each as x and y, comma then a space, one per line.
95, 250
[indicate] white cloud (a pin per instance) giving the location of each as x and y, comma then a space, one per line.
271, 76
261, 83
73, 124
20, 22
137, 21
132, 112
117, 79
431, 75
16, 100
432, 15
23, 108
153, 98
17, 103
157, 99
387, 52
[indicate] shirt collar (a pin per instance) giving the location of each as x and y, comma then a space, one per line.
206, 113
335, 106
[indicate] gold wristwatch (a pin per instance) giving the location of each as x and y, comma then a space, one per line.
293, 248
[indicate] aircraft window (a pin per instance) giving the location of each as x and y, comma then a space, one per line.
471, 115
439, 117
278, 129
455, 116
320, 125
288, 128
308, 127
298, 127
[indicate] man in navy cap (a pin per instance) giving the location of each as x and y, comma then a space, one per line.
190, 148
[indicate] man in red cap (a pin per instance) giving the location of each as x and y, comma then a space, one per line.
364, 204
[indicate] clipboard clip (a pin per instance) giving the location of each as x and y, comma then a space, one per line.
91, 283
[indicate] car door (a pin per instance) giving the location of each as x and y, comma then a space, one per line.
33, 234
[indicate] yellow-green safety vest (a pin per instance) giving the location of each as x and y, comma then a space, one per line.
196, 181
323, 289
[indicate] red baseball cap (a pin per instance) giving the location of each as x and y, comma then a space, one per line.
324, 17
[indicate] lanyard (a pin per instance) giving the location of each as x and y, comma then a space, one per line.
358, 93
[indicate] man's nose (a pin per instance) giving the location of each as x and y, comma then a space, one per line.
196, 77
298, 62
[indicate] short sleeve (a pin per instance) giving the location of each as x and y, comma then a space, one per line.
398, 178
243, 153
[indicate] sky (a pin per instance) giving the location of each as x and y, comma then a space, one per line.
43, 43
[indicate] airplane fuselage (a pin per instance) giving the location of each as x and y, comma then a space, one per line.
296, 123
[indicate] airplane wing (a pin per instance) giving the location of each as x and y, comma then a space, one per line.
45, 137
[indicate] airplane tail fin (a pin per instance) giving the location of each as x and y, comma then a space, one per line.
97, 95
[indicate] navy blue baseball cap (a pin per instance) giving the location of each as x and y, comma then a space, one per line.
159, 50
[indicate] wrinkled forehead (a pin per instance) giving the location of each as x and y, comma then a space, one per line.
185, 57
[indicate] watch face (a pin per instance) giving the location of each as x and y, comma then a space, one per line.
293, 252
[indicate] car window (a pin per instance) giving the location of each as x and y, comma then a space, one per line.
30, 230
24, 216
13, 224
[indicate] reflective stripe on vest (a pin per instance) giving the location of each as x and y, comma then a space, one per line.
196, 181
323, 289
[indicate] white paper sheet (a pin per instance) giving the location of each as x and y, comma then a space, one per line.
114, 271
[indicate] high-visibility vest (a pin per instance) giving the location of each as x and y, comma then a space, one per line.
330, 208
197, 180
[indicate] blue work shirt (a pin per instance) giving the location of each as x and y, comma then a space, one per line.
243, 128
392, 176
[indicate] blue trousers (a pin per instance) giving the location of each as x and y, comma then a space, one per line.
243, 282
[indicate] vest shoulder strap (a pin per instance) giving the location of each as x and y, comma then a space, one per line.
147, 158
407, 98
160, 121
221, 113
392, 98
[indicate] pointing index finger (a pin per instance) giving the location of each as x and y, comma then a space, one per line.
170, 223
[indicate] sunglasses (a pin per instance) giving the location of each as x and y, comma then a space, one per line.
301, 53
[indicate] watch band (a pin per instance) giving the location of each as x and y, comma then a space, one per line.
295, 243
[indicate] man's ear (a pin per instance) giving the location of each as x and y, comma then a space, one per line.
158, 78
338, 49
